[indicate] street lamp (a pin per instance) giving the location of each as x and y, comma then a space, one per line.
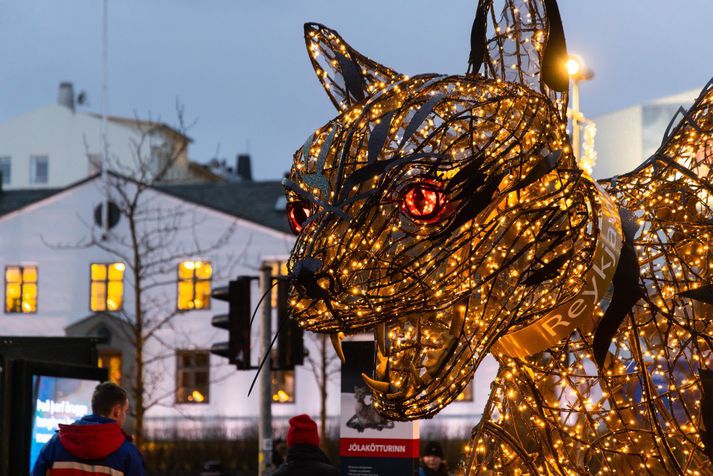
577, 71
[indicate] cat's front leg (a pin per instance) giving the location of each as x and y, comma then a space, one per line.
499, 443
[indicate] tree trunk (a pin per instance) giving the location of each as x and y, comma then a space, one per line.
138, 403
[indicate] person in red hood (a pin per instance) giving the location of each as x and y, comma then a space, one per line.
304, 458
95, 444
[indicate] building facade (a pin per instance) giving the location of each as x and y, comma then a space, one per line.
63, 275
57, 145
628, 136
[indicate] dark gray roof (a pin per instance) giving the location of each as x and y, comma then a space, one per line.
251, 201
11, 200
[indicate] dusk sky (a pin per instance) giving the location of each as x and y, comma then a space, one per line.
241, 70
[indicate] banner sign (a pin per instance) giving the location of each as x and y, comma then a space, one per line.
370, 445
580, 311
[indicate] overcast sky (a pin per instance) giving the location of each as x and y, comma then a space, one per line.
241, 70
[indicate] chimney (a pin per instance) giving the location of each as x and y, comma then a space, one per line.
66, 95
243, 168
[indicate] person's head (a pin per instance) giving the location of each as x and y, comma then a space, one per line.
433, 455
111, 401
303, 431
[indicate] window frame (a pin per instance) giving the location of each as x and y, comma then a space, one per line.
22, 286
33, 168
193, 282
111, 352
180, 353
274, 375
106, 289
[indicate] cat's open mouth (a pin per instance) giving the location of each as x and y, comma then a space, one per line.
421, 362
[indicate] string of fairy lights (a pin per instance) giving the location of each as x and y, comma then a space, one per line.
644, 411
447, 215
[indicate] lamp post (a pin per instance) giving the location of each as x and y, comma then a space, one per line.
577, 71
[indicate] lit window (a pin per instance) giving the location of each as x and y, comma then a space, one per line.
21, 289
39, 169
283, 386
107, 288
467, 394
192, 376
194, 285
111, 360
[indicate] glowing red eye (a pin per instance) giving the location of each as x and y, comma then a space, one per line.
423, 201
297, 215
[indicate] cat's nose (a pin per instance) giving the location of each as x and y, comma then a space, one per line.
307, 276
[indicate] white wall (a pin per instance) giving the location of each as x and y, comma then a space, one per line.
65, 137
35, 234
627, 137
618, 142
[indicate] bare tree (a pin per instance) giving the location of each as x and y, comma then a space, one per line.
325, 365
152, 239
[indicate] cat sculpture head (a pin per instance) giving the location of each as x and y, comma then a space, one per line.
440, 212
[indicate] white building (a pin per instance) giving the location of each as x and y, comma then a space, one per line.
627, 137
57, 145
54, 286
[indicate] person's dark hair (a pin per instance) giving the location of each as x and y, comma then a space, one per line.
106, 395
433, 448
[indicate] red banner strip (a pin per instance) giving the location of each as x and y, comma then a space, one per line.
379, 447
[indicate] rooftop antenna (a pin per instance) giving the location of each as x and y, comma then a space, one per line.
104, 106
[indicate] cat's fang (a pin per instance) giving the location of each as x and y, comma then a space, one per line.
375, 385
336, 339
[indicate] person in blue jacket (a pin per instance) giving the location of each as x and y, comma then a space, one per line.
433, 461
95, 444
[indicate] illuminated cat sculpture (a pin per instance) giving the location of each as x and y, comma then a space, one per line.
448, 215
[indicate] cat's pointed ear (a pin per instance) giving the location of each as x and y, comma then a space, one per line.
523, 44
347, 75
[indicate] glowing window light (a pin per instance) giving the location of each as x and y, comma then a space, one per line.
107, 286
21, 289
194, 285
192, 376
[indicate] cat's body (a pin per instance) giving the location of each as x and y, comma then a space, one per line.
643, 412
448, 215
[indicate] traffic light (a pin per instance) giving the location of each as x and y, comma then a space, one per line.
236, 322
290, 343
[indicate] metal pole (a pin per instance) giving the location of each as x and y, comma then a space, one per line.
104, 106
265, 431
575, 119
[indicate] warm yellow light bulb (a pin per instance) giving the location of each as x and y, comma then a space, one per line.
573, 66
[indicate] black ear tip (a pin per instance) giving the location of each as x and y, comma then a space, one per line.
554, 72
